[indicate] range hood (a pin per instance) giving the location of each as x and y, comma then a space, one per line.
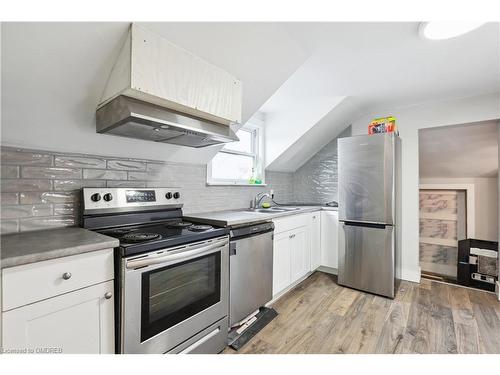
129, 117
160, 92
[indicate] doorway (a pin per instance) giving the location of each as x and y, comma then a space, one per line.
458, 198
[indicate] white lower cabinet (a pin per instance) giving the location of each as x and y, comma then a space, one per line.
302, 243
292, 250
63, 305
329, 239
315, 240
80, 322
281, 262
291, 259
300, 254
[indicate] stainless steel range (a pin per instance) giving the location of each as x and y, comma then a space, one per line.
172, 277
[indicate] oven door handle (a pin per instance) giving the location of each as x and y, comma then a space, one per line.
181, 255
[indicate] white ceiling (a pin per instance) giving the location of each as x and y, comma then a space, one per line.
467, 150
388, 65
53, 75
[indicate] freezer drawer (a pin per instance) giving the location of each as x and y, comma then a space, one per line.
366, 257
250, 275
366, 178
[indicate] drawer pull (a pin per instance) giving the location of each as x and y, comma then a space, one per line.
108, 295
66, 275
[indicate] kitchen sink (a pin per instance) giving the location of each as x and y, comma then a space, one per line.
273, 209
263, 210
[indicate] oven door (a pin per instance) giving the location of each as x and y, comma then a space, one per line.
170, 295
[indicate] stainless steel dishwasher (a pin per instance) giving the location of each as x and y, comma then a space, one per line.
250, 269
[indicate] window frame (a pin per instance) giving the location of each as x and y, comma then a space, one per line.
256, 154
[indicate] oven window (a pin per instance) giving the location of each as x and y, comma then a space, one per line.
174, 293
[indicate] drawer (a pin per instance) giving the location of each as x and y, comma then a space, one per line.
293, 221
37, 281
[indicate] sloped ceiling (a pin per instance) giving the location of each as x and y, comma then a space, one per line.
318, 136
53, 76
466, 150
292, 111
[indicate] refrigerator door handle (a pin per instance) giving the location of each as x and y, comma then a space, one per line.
365, 224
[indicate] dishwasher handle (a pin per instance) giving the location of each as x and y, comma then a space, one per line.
250, 230
232, 248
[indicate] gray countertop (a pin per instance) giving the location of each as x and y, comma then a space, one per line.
241, 217
30, 247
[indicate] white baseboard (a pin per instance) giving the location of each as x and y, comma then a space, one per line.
412, 275
330, 270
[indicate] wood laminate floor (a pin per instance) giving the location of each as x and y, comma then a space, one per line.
319, 316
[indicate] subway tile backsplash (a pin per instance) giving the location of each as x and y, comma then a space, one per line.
41, 189
316, 181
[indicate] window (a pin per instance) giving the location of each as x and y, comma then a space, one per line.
239, 163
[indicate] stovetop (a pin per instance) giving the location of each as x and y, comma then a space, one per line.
147, 237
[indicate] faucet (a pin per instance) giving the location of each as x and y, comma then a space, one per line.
258, 198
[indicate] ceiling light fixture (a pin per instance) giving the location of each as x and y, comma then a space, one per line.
438, 30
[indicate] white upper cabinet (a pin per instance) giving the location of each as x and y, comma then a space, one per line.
151, 68
329, 239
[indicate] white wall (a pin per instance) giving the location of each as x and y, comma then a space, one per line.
409, 121
1, 246
485, 203
498, 191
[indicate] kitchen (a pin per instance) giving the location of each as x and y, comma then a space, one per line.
165, 195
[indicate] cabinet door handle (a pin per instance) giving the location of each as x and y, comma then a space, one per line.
66, 275
108, 295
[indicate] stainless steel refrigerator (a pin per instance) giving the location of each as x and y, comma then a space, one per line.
369, 180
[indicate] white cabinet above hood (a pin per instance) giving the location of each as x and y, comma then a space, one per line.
155, 72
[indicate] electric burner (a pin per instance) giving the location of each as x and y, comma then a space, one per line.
120, 231
140, 237
180, 224
200, 228
142, 219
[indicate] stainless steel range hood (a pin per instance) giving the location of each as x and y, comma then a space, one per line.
129, 117
160, 92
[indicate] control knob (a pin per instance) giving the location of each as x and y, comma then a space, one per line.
95, 197
108, 197
168, 195
177, 195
